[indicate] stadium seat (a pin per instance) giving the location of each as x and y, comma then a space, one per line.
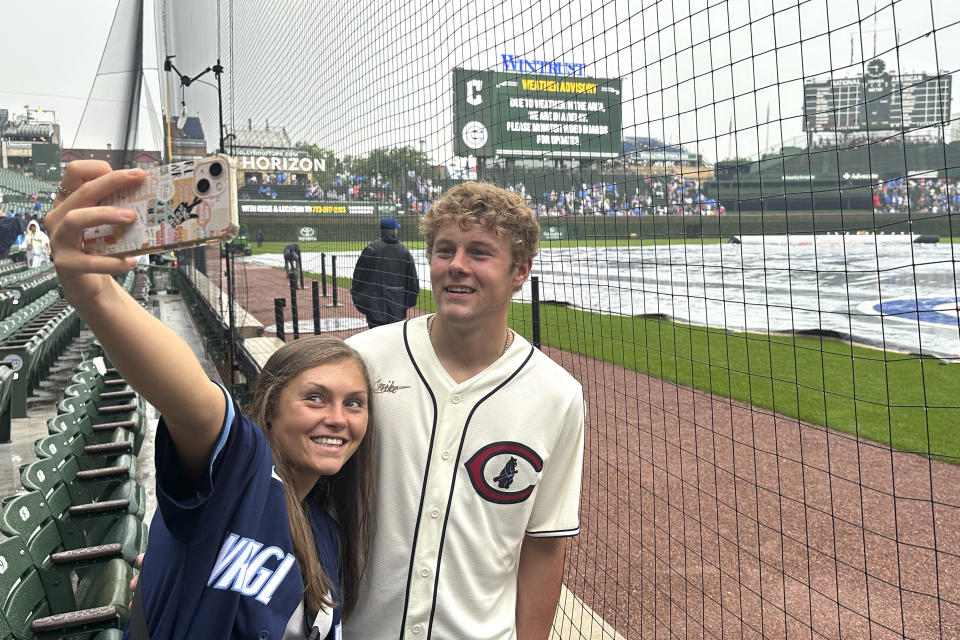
105, 439
33, 612
6, 389
95, 463
92, 418
117, 527
90, 500
35, 346
61, 545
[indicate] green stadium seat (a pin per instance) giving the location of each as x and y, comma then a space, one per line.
6, 391
33, 612
88, 499
119, 527
95, 463
61, 545
93, 419
99, 435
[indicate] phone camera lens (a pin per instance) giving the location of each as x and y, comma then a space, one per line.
203, 185
216, 169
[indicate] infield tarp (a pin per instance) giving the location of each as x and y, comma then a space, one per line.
885, 291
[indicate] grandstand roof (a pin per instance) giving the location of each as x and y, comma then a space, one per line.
644, 143
31, 130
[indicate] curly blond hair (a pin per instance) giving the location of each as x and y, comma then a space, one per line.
487, 206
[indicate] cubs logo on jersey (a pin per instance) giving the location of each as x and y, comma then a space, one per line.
504, 472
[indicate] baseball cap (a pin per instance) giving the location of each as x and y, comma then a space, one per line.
389, 222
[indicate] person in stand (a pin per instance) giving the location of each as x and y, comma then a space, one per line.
36, 244
385, 280
291, 258
481, 440
262, 524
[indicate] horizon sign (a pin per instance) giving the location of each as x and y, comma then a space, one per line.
280, 163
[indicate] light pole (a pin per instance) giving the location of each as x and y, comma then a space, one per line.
186, 81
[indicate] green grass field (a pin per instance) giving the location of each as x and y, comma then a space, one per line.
900, 400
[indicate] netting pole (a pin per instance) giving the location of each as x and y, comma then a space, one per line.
333, 281
535, 310
323, 272
300, 268
315, 286
295, 315
278, 305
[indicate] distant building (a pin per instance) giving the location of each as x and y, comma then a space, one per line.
188, 143
267, 157
18, 140
114, 157
248, 139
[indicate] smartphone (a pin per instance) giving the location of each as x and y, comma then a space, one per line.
180, 205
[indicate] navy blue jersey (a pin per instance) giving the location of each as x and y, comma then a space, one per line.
219, 561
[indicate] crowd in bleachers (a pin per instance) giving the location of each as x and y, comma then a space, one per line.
660, 195
861, 140
917, 195
671, 194
663, 195
416, 193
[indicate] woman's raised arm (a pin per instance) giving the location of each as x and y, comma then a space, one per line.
154, 360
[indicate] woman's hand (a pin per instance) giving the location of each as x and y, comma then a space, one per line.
83, 276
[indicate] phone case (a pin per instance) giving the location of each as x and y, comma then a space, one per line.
170, 214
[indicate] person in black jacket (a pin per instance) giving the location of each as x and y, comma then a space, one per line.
291, 258
385, 281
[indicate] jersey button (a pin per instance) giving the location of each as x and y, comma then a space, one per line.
435, 512
445, 455
456, 398
424, 572
416, 628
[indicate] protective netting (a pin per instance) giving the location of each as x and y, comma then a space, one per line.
746, 259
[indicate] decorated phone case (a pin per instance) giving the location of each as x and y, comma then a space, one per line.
180, 205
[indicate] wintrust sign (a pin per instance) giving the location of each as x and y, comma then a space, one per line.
519, 64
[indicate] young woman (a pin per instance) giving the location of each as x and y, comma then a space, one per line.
263, 525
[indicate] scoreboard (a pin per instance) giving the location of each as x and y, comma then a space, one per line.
877, 101
536, 116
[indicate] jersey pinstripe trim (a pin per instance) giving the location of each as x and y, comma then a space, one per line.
556, 533
423, 488
453, 483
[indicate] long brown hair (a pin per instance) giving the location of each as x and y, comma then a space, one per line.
348, 495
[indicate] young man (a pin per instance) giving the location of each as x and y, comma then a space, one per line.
385, 280
481, 443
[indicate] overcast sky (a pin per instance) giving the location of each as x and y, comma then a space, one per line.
49, 56
354, 75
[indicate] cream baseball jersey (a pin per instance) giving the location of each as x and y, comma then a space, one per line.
464, 472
